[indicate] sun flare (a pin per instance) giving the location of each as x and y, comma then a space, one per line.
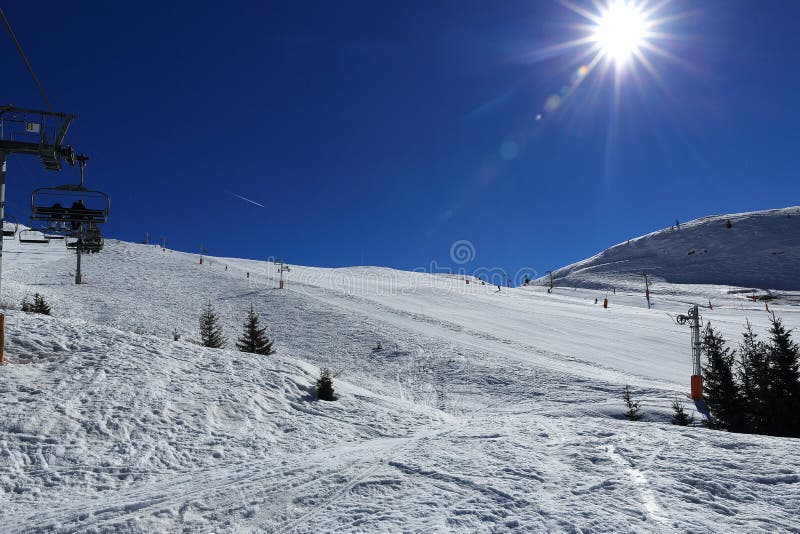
620, 32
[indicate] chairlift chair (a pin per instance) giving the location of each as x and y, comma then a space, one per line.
88, 246
94, 246
92, 239
70, 204
10, 232
31, 236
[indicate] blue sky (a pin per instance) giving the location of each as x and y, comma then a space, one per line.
382, 132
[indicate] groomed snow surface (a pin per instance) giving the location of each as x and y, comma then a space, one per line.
482, 411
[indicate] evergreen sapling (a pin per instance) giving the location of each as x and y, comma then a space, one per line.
720, 391
753, 374
325, 386
40, 305
784, 359
633, 406
679, 415
210, 330
254, 339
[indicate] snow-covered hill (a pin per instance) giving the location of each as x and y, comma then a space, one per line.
481, 411
758, 250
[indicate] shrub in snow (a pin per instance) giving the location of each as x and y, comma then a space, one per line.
720, 391
39, 305
679, 415
325, 386
254, 339
210, 330
632, 414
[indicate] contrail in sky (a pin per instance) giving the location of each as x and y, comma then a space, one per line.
247, 200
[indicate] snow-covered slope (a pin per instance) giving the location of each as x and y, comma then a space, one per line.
482, 411
759, 250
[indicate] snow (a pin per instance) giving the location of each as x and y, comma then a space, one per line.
482, 411
759, 250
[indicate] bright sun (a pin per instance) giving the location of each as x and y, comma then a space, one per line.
620, 31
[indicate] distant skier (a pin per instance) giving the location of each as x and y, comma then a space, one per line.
728, 223
677, 224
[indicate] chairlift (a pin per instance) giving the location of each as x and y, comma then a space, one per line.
92, 239
70, 204
10, 232
31, 236
93, 246
88, 239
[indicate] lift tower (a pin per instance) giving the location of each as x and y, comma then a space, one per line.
32, 132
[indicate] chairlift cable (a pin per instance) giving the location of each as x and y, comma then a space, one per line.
25, 60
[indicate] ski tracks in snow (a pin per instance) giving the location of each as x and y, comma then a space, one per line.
649, 503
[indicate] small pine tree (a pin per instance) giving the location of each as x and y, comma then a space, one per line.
325, 386
254, 339
720, 391
753, 374
784, 359
633, 406
210, 330
40, 305
26, 305
679, 415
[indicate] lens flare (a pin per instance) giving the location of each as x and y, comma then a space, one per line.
621, 31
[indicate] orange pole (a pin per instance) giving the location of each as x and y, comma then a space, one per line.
697, 387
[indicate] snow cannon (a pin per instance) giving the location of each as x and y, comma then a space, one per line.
692, 318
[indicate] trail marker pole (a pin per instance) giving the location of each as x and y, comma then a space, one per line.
2, 338
646, 289
78, 250
2, 208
